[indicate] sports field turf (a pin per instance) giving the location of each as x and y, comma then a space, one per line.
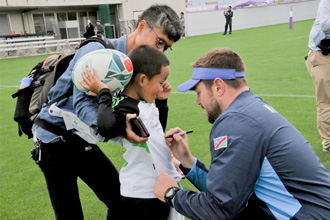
274, 56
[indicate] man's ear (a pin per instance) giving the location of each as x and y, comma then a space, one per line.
219, 86
142, 25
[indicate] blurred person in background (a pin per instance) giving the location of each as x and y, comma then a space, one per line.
89, 29
228, 15
99, 29
182, 22
318, 66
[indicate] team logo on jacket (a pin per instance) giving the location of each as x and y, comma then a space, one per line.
220, 142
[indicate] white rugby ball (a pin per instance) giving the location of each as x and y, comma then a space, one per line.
113, 67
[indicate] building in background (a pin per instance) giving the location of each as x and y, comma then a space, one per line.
33, 27
65, 19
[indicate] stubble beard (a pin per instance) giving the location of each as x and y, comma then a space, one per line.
214, 113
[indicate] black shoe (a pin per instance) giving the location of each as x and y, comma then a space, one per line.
229, 32
224, 33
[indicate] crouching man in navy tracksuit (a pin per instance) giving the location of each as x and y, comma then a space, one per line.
261, 168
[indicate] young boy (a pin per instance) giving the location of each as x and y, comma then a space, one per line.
144, 160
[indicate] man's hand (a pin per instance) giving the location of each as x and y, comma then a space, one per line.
167, 88
130, 135
180, 148
92, 82
163, 182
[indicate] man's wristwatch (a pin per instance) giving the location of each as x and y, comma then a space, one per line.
170, 193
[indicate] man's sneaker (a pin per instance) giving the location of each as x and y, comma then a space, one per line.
326, 149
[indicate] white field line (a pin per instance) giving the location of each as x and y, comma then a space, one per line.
8, 86
270, 95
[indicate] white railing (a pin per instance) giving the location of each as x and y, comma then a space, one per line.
36, 45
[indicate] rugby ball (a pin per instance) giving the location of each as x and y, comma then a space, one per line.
113, 68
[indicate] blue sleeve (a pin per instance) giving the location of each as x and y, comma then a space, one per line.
233, 172
198, 175
85, 106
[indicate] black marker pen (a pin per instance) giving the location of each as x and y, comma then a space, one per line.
181, 133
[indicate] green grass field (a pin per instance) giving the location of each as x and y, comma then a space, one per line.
274, 56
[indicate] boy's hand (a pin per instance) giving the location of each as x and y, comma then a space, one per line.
177, 163
167, 88
130, 135
92, 82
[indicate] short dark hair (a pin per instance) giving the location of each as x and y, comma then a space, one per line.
226, 59
164, 17
147, 60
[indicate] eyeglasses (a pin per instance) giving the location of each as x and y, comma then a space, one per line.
160, 43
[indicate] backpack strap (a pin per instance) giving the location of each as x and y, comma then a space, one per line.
101, 39
60, 131
65, 95
51, 128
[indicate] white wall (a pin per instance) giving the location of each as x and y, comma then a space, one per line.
208, 22
133, 7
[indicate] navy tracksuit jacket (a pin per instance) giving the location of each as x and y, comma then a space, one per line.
261, 168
